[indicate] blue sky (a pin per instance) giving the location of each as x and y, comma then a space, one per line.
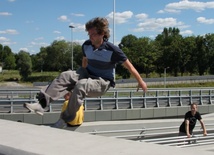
30, 24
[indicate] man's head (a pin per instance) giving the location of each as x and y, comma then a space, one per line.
67, 96
194, 108
100, 26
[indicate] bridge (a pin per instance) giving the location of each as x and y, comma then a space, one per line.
121, 122
116, 104
94, 138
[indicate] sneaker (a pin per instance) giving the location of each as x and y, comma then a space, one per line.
41, 98
34, 107
61, 124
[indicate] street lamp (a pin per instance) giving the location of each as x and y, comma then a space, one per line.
72, 57
114, 32
114, 22
165, 76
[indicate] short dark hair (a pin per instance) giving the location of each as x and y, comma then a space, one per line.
194, 104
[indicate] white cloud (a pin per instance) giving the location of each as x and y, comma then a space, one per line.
60, 38
78, 15
39, 38
120, 18
141, 16
160, 11
186, 4
9, 31
3, 39
155, 24
6, 41
24, 49
186, 32
205, 21
63, 18
78, 27
5, 14
39, 44
57, 32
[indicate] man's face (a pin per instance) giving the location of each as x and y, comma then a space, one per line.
67, 96
95, 38
193, 109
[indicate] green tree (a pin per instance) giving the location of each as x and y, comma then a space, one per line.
77, 52
7, 58
38, 60
169, 44
24, 64
189, 59
10, 61
209, 43
120, 70
57, 56
202, 55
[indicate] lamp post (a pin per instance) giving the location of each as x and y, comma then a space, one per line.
114, 22
114, 33
71, 46
165, 76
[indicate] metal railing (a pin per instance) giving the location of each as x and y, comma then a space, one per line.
163, 135
11, 101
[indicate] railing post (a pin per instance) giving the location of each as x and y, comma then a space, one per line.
11, 103
201, 101
210, 98
144, 99
131, 105
157, 99
190, 96
116, 99
85, 104
101, 103
180, 99
169, 99
50, 108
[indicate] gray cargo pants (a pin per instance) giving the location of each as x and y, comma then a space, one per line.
81, 84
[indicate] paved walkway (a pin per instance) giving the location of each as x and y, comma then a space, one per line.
18, 138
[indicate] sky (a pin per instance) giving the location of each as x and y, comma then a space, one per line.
31, 24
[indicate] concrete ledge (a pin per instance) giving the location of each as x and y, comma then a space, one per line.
22, 138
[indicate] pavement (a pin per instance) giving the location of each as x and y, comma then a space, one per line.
17, 138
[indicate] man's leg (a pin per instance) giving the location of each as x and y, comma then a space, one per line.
58, 88
85, 87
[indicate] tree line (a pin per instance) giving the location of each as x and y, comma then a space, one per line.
169, 50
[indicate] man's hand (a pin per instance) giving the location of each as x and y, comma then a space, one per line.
188, 135
142, 85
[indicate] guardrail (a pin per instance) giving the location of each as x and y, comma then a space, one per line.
11, 101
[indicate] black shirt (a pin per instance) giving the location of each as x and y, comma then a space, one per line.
192, 121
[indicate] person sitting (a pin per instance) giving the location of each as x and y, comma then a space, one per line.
190, 119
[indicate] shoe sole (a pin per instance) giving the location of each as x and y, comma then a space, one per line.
37, 112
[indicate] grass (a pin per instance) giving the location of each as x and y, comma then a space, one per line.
13, 76
182, 85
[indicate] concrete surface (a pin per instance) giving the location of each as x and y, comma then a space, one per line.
17, 138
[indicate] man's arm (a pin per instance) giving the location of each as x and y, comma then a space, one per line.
187, 128
141, 84
203, 127
84, 62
